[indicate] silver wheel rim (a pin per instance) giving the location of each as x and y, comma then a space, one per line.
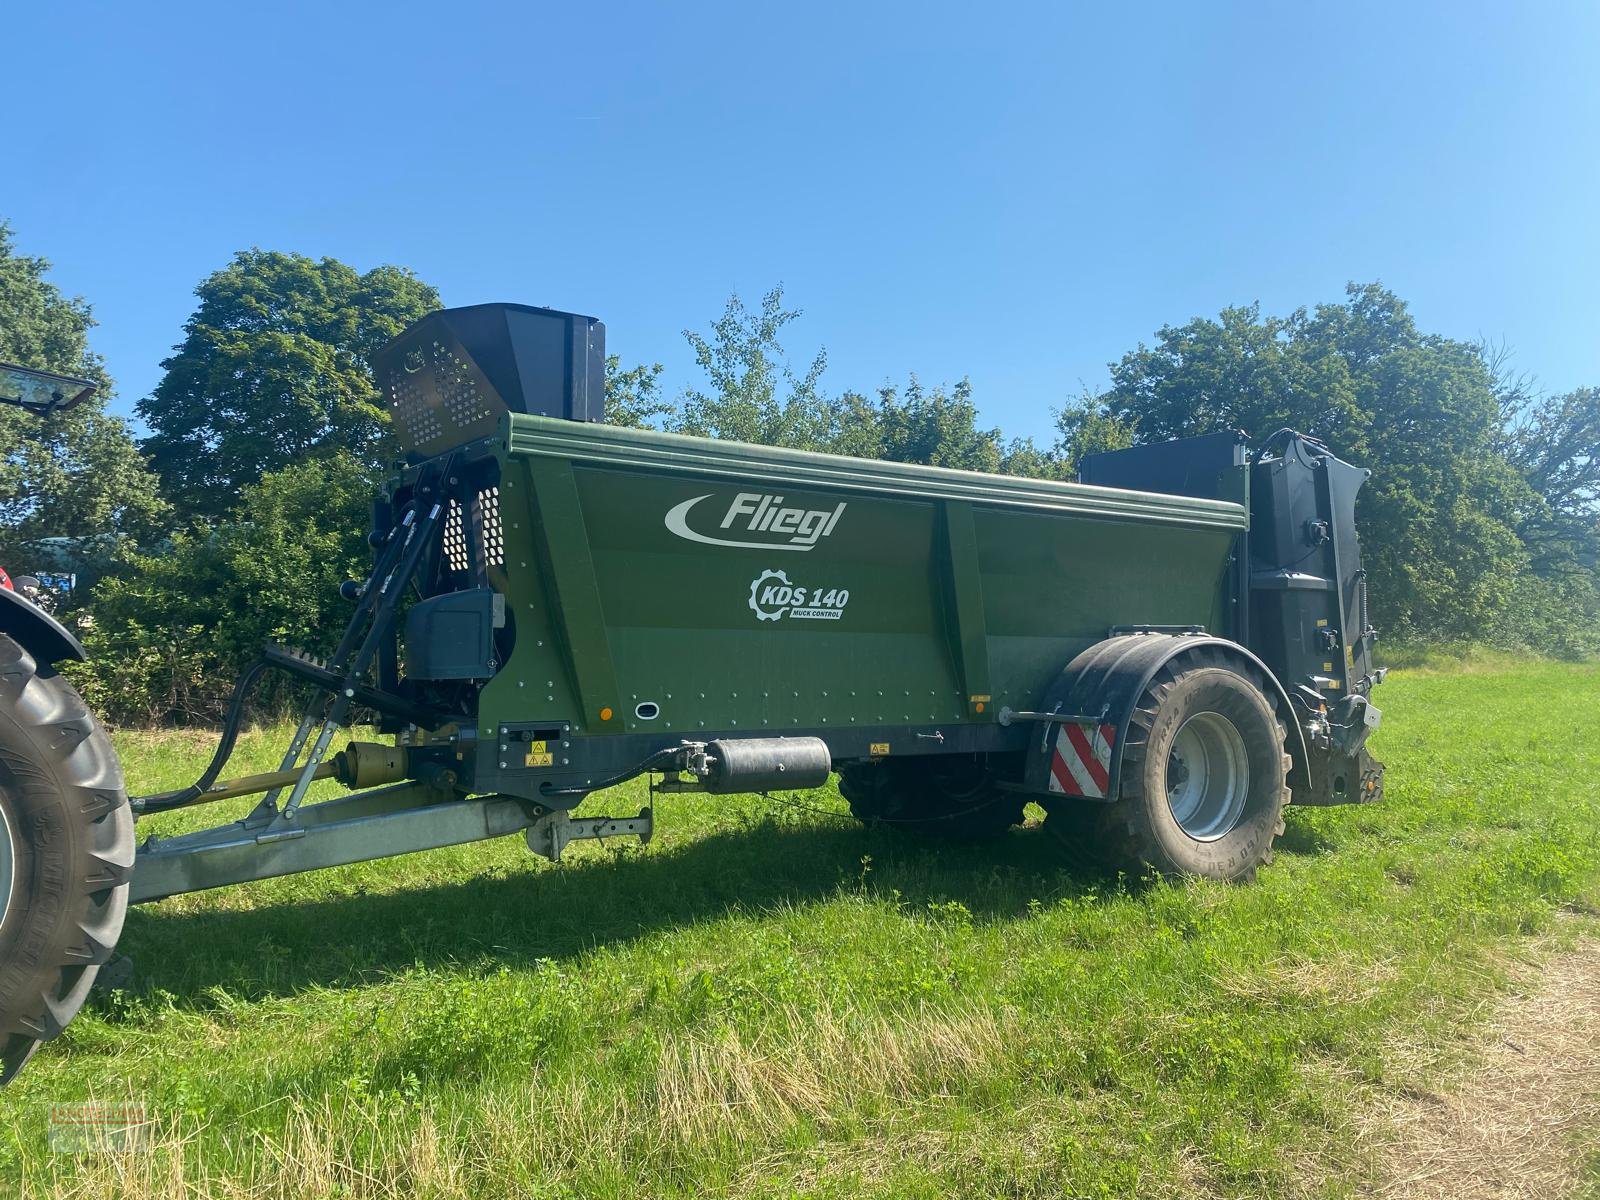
1208, 777
7, 864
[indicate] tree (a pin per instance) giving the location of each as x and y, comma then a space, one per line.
171, 634
1439, 517
274, 369
1554, 441
1239, 371
633, 397
935, 426
1023, 457
754, 395
1086, 426
67, 475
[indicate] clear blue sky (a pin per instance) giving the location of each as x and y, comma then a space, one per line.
1017, 192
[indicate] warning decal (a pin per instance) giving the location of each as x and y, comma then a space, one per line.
1081, 762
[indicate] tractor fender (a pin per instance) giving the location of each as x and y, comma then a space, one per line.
36, 631
1101, 686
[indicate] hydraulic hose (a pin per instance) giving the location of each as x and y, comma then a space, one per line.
659, 757
1285, 436
167, 801
398, 565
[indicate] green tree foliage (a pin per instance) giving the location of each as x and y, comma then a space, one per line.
633, 397
171, 634
751, 394
1024, 457
1554, 614
1554, 442
754, 395
273, 370
1086, 426
936, 426
1439, 519
75, 474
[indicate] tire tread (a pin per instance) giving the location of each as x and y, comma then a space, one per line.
87, 918
1113, 833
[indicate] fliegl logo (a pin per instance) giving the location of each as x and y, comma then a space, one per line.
773, 597
761, 514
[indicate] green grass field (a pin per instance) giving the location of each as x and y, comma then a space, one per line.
771, 1001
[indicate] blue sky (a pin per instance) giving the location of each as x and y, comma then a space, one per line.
1017, 193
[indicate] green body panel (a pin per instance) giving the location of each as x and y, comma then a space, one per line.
931, 597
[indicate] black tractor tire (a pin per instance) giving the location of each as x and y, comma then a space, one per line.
956, 796
66, 854
1209, 805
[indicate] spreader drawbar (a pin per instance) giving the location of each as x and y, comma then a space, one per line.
409, 817
368, 825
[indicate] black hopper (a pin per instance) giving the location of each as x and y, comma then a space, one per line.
451, 376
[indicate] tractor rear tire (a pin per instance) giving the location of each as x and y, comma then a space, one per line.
66, 854
955, 796
1203, 782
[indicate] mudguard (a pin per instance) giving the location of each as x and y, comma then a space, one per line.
36, 631
1101, 686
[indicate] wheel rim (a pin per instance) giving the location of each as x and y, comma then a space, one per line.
7, 863
1208, 776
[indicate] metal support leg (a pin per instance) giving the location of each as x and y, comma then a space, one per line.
553, 832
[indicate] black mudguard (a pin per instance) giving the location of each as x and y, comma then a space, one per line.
36, 631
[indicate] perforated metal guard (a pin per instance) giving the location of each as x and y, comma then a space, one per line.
487, 539
439, 398
490, 540
455, 538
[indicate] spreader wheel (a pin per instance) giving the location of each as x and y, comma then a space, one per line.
66, 853
1203, 780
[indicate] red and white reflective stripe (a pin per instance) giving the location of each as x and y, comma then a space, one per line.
1081, 763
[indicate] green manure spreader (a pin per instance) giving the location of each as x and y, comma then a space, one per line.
1162, 656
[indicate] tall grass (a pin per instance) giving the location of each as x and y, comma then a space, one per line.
770, 1001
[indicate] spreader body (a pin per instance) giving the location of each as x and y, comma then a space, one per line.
659, 588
